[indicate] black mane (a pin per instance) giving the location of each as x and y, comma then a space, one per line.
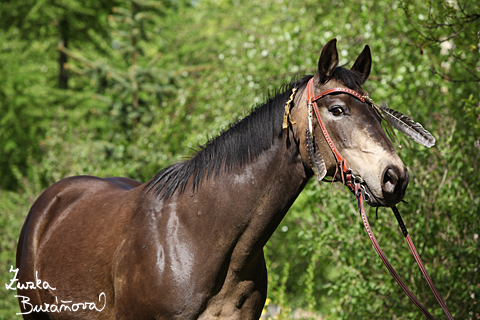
241, 143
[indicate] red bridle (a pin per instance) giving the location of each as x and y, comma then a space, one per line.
355, 184
342, 163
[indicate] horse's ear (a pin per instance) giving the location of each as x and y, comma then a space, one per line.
364, 63
328, 61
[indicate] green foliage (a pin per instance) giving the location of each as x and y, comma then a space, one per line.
128, 87
73, 21
31, 71
13, 208
448, 32
201, 65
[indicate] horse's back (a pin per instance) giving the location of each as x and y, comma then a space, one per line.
67, 220
64, 194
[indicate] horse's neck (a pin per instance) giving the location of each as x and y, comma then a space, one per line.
244, 206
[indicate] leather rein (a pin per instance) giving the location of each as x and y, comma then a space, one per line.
357, 186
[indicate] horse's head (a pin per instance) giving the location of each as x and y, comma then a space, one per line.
354, 127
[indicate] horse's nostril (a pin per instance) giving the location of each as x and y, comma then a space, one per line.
390, 179
394, 184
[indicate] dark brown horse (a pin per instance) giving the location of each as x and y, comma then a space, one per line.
188, 244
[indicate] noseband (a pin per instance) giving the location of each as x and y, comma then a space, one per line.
357, 186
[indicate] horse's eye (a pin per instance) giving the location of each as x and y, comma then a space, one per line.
337, 111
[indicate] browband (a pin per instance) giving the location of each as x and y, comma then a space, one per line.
335, 90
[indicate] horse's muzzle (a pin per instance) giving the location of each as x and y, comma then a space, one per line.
394, 184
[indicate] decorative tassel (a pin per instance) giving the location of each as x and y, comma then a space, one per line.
316, 159
286, 116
